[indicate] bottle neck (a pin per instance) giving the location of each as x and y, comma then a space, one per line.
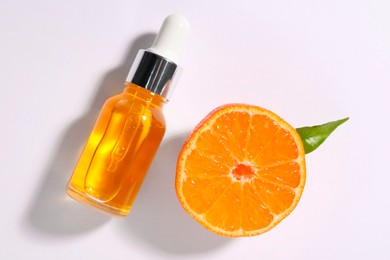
144, 95
154, 72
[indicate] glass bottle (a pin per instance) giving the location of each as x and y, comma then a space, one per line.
130, 127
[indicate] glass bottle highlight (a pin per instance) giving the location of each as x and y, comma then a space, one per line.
130, 127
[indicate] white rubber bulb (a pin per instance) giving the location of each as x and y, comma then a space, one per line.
171, 37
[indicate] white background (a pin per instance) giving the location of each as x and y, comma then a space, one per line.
309, 61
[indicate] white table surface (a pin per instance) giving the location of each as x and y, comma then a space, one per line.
308, 61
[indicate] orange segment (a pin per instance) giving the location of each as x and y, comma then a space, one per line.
241, 171
202, 200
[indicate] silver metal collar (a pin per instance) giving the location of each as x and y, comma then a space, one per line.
154, 72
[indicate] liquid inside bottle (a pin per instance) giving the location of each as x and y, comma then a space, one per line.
119, 150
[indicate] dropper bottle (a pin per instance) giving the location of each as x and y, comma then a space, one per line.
130, 126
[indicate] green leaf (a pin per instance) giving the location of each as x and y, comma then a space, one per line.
314, 136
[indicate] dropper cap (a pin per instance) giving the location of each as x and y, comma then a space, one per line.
156, 68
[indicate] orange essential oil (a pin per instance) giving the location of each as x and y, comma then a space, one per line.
130, 127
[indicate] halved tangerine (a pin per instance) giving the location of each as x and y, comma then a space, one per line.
241, 171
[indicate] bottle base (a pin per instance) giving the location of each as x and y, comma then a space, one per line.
90, 201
